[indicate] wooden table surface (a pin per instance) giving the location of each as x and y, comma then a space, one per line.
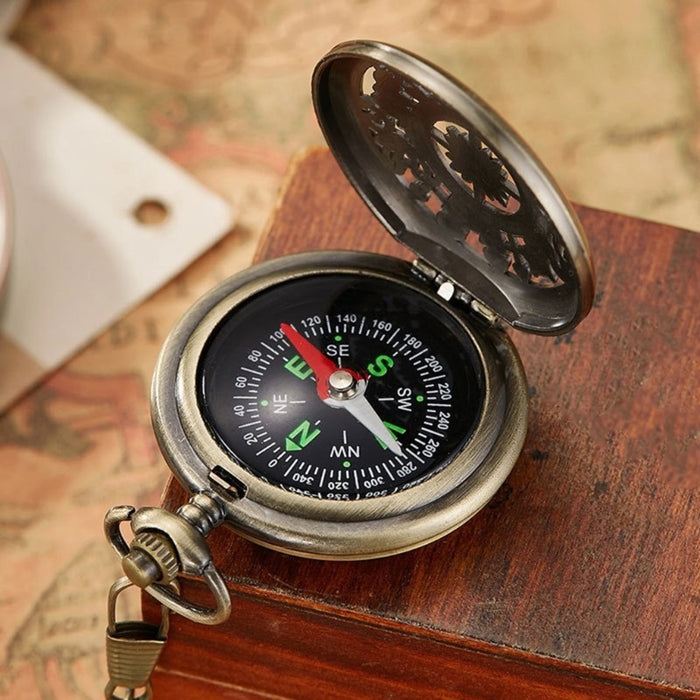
580, 579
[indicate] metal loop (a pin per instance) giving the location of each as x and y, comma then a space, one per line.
121, 584
193, 554
115, 516
192, 611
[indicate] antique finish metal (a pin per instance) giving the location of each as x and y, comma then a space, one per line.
497, 243
454, 183
324, 528
166, 544
133, 650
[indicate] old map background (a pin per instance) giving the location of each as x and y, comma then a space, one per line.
607, 94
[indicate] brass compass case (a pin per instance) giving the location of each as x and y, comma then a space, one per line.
334, 529
451, 181
496, 243
407, 377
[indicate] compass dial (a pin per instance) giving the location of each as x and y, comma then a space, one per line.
340, 386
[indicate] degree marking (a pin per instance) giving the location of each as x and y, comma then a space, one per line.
247, 425
415, 456
291, 466
252, 371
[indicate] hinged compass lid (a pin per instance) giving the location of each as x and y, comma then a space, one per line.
452, 181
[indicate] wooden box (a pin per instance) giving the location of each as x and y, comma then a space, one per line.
579, 580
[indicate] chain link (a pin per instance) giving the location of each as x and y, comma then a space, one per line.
133, 649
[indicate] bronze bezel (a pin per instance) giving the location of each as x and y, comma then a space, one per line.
322, 528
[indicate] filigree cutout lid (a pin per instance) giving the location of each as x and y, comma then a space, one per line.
452, 181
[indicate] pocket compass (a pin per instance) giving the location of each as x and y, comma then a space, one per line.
346, 405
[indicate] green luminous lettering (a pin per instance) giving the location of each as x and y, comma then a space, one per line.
381, 365
300, 437
395, 431
298, 367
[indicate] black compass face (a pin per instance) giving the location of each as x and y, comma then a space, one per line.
341, 386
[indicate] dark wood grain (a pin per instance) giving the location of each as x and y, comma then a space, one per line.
580, 579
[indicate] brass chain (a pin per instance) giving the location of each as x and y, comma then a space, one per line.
133, 649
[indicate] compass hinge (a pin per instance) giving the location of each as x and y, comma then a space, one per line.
450, 291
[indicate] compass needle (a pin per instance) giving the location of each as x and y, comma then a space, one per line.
341, 387
362, 410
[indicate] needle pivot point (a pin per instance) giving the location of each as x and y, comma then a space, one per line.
342, 384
